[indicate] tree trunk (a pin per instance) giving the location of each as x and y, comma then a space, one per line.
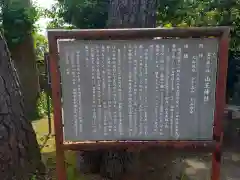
132, 13
24, 58
25, 61
123, 14
20, 157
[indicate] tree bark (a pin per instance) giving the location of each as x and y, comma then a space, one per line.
25, 60
20, 157
132, 14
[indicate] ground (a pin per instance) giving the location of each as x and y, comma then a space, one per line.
155, 164
47, 145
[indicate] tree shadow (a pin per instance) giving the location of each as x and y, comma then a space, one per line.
44, 139
158, 164
49, 160
164, 164
73, 173
198, 166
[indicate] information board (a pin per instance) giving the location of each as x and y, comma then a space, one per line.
162, 89
47, 68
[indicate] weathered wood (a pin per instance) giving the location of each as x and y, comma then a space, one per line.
133, 33
20, 156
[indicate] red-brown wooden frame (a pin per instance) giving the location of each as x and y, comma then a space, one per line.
144, 33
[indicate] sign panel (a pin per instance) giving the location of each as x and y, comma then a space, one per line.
47, 67
161, 89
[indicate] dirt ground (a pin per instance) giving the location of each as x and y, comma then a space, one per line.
176, 165
172, 165
165, 164
189, 166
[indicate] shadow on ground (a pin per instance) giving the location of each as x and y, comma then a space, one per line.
158, 163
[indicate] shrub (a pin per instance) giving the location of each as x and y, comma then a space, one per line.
42, 104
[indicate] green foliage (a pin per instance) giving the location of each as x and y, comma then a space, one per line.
184, 13
33, 177
40, 46
17, 21
85, 14
203, 13
170, 13
55, 17
187, 13
42, 106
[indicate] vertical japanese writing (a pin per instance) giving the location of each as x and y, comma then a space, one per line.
86, 48
140, 89
109, 90
145, 90
135, 89
130, 90
74, 95
177, 91
172, 88
194, 78
68, 70
79, 93
105, 128
114, 87
166, 98
94, 103
120, 96
207, 80
98, 88
158, 125
161, 88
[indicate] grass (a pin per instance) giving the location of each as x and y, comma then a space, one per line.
47, 146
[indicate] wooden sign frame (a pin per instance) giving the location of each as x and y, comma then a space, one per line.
136, 33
